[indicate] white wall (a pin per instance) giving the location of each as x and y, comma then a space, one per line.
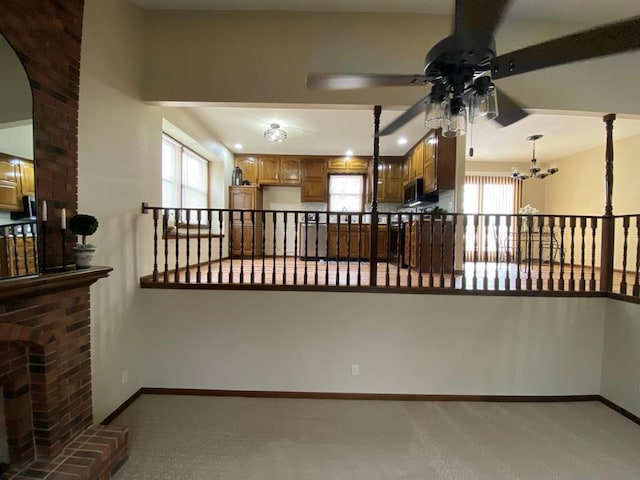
621, 356
119, 168
231, 59
307, 341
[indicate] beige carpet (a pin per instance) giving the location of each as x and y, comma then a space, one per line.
177, 437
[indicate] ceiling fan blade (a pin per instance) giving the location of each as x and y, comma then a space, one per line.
605, 40
510, 110
479, 15
347, 81
407, 116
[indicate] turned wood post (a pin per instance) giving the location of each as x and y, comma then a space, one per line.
373, 241
608, 222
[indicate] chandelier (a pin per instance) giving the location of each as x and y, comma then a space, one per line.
275, 134
448, 102
534, 171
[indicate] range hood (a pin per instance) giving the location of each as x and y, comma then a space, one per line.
413, 196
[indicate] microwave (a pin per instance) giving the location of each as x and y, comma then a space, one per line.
413, 196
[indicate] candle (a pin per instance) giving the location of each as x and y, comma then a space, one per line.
64, 219
44, 210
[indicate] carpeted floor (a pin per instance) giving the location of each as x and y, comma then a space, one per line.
206, 438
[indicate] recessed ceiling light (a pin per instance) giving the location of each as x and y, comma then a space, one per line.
349, 153
402, 141
238, 146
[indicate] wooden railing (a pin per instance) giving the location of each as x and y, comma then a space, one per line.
551, 253
18, 249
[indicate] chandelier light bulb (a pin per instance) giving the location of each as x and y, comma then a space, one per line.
534, 171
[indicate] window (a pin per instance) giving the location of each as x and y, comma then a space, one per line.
185, 176
346, 193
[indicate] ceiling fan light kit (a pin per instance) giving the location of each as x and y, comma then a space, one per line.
275, 134
534, 171
462, 67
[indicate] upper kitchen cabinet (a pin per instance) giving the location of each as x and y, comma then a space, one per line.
313, 179
390, 180
348, 165
249, 166
16, 180
278, 170
439, 171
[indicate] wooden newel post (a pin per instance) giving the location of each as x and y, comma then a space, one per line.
373, 241
608, 222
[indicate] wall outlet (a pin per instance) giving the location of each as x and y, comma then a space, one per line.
125, 376
355, 369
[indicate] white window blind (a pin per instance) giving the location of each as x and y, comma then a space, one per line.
185, 176
346, 193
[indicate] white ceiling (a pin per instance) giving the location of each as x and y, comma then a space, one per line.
332, 130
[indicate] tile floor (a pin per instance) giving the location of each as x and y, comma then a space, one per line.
202, 438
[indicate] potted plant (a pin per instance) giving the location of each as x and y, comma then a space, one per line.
83, 225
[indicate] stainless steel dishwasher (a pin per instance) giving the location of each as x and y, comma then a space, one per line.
310, 236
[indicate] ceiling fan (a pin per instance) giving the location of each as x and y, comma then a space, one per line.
461, 68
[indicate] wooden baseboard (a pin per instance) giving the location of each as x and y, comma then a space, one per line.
368, 396
613, 406
121, 408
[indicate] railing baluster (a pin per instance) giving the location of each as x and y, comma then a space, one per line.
155, 244
592, 280
399, 248
275, 226
419, 246
176, 272
242, 227
530, 233
348, 250
454, 224
305, 252
572, 231
465, 253
25, 250
387, 276
432, 231
443, 237
625, 236
285, 215
187, 273
476, 249
410, 250
583, 227
496, 233
562, 222
263, 239
295, 248
519, 251
252, 277
198, 270
328, 252
232, 226
16, 256
337, 280
636, 283
552, 252
209, 240
508, 223
373, 256
220, 254
485, 233
541, 226
317, 241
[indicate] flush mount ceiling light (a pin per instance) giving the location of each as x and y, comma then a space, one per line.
534, 171
275, 134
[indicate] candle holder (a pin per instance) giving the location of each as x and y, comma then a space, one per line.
43, 267
64, 248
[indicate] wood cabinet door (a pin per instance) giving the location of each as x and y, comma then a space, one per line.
289, 170
268, 170
242, 198
382, 184
383, 242
313, 173
430, 170
418, 161
27, 178
249, 166
338, 164
357, 164
393, 181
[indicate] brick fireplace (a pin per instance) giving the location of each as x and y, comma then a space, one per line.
45, 372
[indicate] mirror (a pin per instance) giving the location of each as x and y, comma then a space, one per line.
18, 235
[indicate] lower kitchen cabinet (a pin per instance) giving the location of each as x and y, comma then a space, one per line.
246, 238
348, 242
427, 247
17, 256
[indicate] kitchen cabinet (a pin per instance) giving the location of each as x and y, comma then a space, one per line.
434, 160
249, 166
348, 165
390, 180
245, 229
27, 178
348, 242
278, 170
313, 176
428, 245
383, 242
439, 172
10, 188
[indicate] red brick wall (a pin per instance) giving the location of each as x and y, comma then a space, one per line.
46, 35
52, 331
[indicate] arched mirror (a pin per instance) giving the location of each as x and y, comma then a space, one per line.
18, 234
